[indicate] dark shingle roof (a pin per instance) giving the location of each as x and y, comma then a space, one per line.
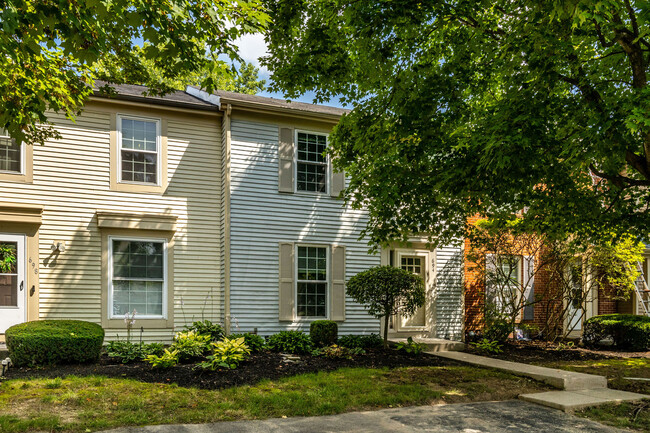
279, 103
135, 92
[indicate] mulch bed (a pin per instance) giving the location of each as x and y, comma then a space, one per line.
542, 352
259, 366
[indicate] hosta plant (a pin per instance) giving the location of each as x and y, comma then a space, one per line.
227, 353
168, 359
191, 345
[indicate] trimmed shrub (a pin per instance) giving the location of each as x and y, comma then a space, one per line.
627, 330
323, 332
48, 342
290, 342
371, 341
256, 343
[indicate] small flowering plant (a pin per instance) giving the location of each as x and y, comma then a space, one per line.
129, 320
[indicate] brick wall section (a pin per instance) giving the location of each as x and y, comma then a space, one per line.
606, 305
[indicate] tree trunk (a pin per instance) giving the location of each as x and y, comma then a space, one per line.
386, 317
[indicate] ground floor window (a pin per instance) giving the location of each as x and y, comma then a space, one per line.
138, 277
312, 281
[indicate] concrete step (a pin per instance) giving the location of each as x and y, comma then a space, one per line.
433, 344
570, 401
562, 379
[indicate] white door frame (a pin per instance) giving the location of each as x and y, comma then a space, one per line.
10, 316
429, 316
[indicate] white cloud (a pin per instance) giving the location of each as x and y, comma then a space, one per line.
251, 48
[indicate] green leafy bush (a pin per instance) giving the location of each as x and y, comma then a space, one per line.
497, 328
290, 342
488, 346
337, 352
411, 347
627, 330
205, 327
191, 345
128, 352
227, 353
323, 332
168, 359
256, 343
371, 341
47, 342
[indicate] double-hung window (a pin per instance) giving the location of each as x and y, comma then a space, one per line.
138, 277
311, 162
312, 281
11, 155
139, 150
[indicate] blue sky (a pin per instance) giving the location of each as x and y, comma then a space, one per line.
251, 48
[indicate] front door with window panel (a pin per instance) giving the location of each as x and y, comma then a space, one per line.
575, 310
12, 281
416, 264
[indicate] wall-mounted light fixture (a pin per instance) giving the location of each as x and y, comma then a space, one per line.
58, 246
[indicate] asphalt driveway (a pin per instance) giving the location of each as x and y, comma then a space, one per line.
491, 417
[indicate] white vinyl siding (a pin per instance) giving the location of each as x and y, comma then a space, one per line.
72, 182
449, 292
261, 219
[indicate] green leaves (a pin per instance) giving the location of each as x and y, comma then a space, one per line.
52, 51
471, 107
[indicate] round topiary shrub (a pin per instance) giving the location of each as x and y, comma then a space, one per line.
627, 330
46, 342
323, 332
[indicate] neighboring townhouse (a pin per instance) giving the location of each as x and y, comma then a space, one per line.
195, 206
590, 299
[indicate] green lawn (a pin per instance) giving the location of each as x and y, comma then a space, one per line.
626, 415
616, 370
80, 404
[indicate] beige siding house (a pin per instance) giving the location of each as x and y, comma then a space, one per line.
195, 206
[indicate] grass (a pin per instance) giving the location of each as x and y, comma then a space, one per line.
616, 370
80, 404
625, 415
635, 416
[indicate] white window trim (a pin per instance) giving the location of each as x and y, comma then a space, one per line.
4, 134
158, 149
110, 276
327, 280
296, 161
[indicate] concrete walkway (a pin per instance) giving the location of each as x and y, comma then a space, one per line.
579, 390
492, 417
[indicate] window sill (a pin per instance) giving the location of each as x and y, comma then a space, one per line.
15, 177
137, 187
146, 323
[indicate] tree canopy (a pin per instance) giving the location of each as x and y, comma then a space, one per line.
468, 107
50, 49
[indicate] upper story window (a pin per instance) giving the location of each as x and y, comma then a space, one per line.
311, 162
11, 155
139, 142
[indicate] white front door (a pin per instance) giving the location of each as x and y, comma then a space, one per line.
12, 281
416, 263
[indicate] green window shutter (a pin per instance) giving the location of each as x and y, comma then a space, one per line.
285, 158
337, 309
286, 298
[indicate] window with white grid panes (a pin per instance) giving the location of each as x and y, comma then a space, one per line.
311, 162
312, 281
